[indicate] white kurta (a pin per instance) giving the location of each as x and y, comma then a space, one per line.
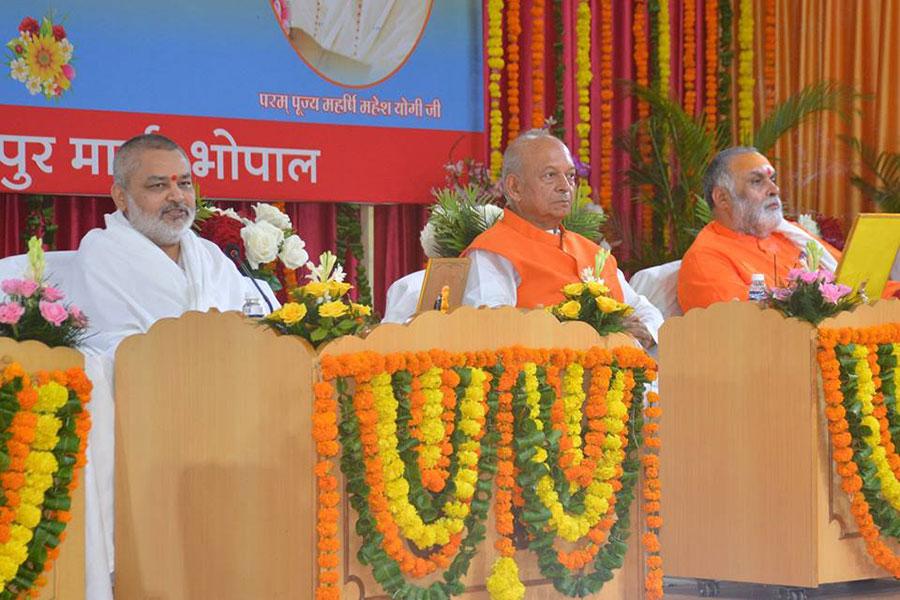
124, 283
493, 281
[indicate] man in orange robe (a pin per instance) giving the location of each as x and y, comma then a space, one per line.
748, 234
528, 256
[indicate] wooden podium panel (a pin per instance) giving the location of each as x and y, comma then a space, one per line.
65, 581
749, 485
471, 329
215, 491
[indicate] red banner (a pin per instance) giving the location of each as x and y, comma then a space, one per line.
64, 151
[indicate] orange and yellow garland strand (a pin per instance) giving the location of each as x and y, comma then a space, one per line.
513, 31
605, 191
583, 77
746, 27
883, 454
538, 50
711, 65
642, 77
495, 68
690, 56
769, 56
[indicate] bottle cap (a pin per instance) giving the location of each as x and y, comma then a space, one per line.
757, 278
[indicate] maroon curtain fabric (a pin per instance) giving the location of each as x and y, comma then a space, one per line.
397, 248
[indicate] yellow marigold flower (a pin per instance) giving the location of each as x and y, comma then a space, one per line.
335, 308
41, 462
28, 515
51, 397
573, 290
596, 288
569, 309
8, 568
361, 310
315, 288
45, 437
504, 582
292, 312
607, 304
338, 288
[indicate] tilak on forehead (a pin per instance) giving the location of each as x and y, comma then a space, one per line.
174, 177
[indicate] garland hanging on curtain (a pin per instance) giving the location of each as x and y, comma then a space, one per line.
642, 77
711, 64
583, 76
746, 82
723, 77
689, 64
664, 51
769, 56
606, 104
559, 111
513, 31
495, 67
538, 48
349, 241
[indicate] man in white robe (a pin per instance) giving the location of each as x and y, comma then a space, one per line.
145, 265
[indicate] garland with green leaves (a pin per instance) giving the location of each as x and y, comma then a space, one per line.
349, 242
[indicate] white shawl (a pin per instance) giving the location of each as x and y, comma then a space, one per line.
124, 282
799, 237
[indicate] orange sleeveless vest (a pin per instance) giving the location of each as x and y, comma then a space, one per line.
545, 261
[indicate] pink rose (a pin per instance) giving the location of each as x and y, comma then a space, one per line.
53, 312
78, 317
826, 276
794, 274
11, 312
68, 71
781, 294
19, 287
51, 294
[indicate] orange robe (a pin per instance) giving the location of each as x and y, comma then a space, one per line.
545, 261
718, 265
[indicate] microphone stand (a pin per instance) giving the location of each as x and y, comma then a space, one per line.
234, 253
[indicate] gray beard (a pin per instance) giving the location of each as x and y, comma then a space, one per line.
756, 221
154, 227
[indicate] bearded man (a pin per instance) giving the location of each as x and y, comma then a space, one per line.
147, 264
748, 234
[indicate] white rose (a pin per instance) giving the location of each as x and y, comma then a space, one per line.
269, 214
261, 242
292, 252
228, 212
429, 244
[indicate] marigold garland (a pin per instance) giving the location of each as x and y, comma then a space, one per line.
513, 31
45, 426
711, 64
375, 396
689, 67
664, 48
858, 399
769, 40
495, 68
642, 78
538, 50
605, 192
583, 77
746, 81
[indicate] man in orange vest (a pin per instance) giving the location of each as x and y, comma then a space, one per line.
748, 234
527, 256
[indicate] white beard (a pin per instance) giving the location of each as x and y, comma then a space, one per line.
757, 220
154, 227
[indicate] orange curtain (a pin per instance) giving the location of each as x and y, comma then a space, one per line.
856, 42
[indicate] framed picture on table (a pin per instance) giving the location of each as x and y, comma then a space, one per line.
441, 272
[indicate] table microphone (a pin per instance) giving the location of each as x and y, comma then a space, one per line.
234, 253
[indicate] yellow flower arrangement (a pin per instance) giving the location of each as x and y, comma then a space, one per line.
588, 301
573, 399
503, 582
321, 310
41, 57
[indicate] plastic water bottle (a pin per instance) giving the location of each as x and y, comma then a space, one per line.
758, 291
252, 308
